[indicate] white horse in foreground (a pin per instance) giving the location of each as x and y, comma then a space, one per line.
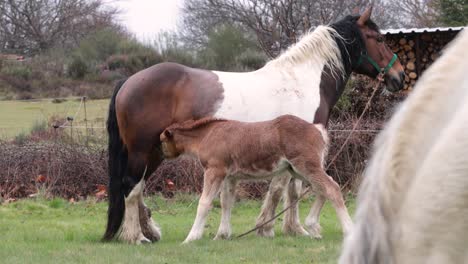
413, 203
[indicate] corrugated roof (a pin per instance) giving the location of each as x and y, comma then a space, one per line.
419, 30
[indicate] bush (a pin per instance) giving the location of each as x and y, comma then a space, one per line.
17, 71
77, 68
224, 44
39, 126
132, 63
251, 60
116, 62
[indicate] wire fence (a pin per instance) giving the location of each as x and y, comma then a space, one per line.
73, 113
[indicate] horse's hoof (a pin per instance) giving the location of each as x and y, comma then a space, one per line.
296, 231
145, 241
222, 236
314, 230
265, 233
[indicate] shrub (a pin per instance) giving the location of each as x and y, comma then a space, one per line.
77, 68
251, 59
39, 126
116, 62
17, 71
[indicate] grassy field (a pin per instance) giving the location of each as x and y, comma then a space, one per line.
56, 231
19, 116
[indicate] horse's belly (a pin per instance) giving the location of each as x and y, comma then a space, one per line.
255, 99
257, 172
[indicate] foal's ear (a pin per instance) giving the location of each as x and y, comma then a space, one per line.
365, 16
168, 133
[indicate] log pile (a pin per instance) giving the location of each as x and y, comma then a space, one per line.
417, 52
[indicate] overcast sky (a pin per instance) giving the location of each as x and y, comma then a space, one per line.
147, 17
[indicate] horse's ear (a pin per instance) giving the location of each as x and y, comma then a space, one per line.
168, 133
365, 16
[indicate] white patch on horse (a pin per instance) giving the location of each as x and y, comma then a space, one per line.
131, 229
289, 84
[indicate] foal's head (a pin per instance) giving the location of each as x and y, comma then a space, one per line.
168, 144
180, 137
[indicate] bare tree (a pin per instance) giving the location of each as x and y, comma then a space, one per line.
416, 13
31, 26
275, 23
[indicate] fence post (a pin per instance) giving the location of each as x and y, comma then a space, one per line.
85, 119
70, 119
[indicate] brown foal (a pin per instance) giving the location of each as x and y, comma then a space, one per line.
231, 151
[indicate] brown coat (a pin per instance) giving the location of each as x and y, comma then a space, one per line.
239, 150
250, 149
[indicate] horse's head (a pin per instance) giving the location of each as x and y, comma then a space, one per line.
377, 58
169, 145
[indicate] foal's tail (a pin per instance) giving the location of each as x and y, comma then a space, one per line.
117, 165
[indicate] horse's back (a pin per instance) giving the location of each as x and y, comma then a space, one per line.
165, 93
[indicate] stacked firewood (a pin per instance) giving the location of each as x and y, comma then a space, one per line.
405, 46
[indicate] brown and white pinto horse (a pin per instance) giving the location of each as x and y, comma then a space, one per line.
231, 151
305, 81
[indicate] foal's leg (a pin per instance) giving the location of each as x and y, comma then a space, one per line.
312, 223
291, 223
227, 201
324, 185
270, 203
212, 184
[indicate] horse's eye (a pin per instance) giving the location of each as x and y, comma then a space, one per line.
380, 39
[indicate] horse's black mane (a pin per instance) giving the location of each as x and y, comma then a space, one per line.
353, 43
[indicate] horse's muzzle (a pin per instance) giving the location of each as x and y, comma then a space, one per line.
395, 82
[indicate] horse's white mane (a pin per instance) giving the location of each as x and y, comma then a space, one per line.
318, 46
403, 155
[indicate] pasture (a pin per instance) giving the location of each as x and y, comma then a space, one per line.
18, 117
39, 230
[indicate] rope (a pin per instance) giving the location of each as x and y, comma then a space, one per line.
376, 86
42, 99
84, 127
355, 131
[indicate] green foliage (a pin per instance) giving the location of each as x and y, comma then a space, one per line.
100, 45
21, 138
344, 103
453, 12
77, 68
225, 43
39, 126
251, 59
19, 71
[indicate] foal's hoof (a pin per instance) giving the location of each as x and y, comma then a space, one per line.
314, 230
222, 236
295, 231
265, 233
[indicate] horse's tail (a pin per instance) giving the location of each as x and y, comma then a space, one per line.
117, 163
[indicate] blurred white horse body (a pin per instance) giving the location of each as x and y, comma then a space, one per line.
413, 203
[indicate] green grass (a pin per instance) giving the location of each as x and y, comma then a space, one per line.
18, 117
45, 231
